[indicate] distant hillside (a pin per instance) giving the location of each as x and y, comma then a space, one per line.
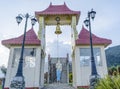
113, 56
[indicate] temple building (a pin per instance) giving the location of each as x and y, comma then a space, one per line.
82, 61
34, 52
32, 62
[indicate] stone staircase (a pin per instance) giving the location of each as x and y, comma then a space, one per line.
58, 86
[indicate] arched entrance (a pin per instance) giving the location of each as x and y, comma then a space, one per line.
48, 17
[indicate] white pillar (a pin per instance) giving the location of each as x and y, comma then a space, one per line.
41, 36
67, 68
104, 63
74, 30
73, 71
41, 32
42, 71
74, 36
9, 69
37, 68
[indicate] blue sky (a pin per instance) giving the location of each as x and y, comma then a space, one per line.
106, 23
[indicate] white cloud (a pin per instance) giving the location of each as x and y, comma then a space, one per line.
58, 51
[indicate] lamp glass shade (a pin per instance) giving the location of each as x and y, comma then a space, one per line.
86, 22
19, 19
33, 21
92, 14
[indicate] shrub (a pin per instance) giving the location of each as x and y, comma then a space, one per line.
112, 70
109, 82
118, 69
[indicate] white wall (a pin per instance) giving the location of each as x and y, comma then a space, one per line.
83, 72
31, 74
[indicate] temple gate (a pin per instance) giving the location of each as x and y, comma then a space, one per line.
51, 16
34, 56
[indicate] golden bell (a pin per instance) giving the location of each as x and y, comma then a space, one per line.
58, 31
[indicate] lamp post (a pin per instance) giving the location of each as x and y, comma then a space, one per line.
18, 81
94, 75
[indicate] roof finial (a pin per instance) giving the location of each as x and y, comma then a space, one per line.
50, 3
82, 26
64, 3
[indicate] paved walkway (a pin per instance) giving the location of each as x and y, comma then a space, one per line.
58, 86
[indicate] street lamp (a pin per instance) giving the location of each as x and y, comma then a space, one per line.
94, 75
18, 81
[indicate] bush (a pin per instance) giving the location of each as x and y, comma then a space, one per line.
118, 69
109, 82
113, 70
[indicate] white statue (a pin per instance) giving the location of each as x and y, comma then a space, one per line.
58, 70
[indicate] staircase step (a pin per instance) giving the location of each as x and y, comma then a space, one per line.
58, 86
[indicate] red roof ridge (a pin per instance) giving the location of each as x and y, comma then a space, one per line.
31, 39
84, 31
57, 9
84, 38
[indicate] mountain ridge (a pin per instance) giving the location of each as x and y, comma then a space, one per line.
113, 56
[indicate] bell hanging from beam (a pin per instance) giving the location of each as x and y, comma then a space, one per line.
58, 31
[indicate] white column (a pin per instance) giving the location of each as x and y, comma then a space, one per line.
41, 36
42, 71
67, 68
73, 71
104, 63
9, 68
41, 32
74, 30
37, 68
77, 66
74, 36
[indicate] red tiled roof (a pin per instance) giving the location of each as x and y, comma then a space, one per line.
31, 39
58, 10
84, 39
